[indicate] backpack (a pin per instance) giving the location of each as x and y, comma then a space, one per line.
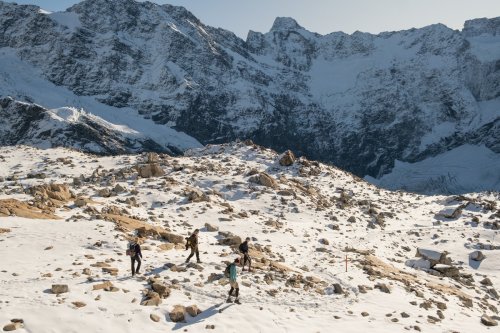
227, 271
131, 250
188, 243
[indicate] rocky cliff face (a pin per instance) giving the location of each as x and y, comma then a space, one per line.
360, 101
32, 124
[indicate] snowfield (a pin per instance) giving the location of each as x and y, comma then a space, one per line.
304, 224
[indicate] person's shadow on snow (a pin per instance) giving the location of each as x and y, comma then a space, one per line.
211, 311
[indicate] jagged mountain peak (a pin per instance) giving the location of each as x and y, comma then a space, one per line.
285, 23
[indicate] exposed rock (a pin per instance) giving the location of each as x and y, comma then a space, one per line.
4, 230
13, 207
59, 288
434, 257
196, 195
447, 270
265, 180
162, 290
81, 202
151, 299
477, 256
488, 321
106, 285
231, 240
154, 317
193, 310
287, 158
57, 192
177, 314
211, 228
79, 304
150, 170
13, 326
383, 288
337, 288
486, 282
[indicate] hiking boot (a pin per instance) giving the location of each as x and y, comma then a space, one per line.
237, 301
198, 261
229, 300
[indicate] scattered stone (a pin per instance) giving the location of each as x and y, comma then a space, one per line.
193, 310
59, 288
177, 314
211, 228
477, 256
79, 304
287, 158
486, 282
337, 288
154, 317
162, 290
265, 180
383, 288
488, 321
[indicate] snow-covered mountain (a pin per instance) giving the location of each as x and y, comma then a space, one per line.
364, 102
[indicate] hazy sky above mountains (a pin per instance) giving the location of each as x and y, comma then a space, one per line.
323, 16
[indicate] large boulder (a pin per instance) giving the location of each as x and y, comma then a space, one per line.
162, 290
211, 228
152, 298
287, 158
150, 170
265, 180
447, 270
177, 314
193, 310
488, 321
58, 192
477, 256
434, 257
196, 195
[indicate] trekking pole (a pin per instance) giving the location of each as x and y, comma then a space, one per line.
346, 262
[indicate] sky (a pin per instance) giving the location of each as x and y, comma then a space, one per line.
323, 16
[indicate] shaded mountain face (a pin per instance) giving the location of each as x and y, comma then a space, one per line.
360, 101
32, 124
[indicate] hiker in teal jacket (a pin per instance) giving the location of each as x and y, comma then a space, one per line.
233, 283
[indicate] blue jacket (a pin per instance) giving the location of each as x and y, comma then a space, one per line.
232, 272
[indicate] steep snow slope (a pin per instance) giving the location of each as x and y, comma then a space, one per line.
303, 229
361, 101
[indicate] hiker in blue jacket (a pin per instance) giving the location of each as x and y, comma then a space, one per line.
233, 283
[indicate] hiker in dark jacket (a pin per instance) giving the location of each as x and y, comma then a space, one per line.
134, 251
244, 250
233, 283
192, 242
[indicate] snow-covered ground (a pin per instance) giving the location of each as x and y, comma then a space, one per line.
301, 229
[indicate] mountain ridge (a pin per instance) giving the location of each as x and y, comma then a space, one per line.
360, 101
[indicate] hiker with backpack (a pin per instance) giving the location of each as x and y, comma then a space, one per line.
192, 242
231, 273
134, 251
244, 250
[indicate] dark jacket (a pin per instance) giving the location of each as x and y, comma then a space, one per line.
244, 247
193, 241
137, 250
